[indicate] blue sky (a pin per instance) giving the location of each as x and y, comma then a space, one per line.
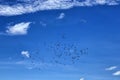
59, 40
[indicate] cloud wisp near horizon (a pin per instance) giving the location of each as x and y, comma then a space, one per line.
117, 73
28, 6
111, 68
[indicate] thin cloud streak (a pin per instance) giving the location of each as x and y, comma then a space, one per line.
111, 68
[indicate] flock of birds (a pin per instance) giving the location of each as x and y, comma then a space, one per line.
58, 53
64, 53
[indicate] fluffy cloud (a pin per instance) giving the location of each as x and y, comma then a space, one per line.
117, 73
111, 68
28, 6
61, 16
25, 53
18, 29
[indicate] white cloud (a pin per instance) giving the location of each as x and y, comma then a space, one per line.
25, 53
38, 5
117, 73
82, 79
18, 29
61, 16
111, 68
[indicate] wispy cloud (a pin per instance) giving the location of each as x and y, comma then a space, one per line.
25, 53
61, 16
39, 5
83, 21
18, 29
43, 24
117, 73
111, 68
82, 78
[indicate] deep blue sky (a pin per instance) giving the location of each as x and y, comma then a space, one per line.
96, 28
